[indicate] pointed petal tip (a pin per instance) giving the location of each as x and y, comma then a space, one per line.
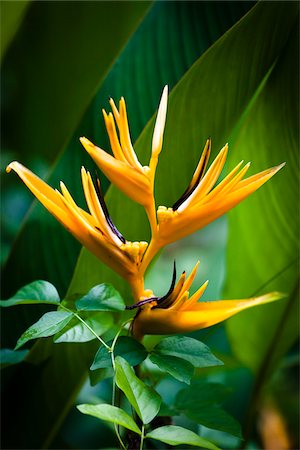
10, 166
14, 165
277, 168
87, 144
276, 295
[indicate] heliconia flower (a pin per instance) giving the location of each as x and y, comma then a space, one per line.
176, 312
94, 230
124, 169
204, 201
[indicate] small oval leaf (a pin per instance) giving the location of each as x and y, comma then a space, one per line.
144, 399
111, 414
179, 368
192, 350
174, 435
102, 297
49, 324
36, 292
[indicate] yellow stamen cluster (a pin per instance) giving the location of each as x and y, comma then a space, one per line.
164, 214
135, 250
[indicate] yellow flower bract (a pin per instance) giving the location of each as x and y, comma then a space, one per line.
202, 202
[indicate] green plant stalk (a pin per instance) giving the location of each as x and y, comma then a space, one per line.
113, 400
142, 437
111, 351
85, 324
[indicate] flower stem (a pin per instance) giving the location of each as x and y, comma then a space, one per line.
142, 437
151, 213
113, 400
151, 251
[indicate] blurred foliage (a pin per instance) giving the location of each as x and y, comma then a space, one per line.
61, 60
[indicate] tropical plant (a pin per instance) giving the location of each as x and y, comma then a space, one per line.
231, 71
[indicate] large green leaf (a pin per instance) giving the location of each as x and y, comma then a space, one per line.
201, 402
264, 235
143, 398
264, 231
60, 58
12, 14
200, 24
220, 78
142, 54
50, 76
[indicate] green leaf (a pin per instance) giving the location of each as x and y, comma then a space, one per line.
144, 399
268, 221
174, 435
201, 402
192, 350
133, 351
101, 298
54, 62
8, 356
68, 362
12, 14
35, 292
111, 414
179, 368
76, 331
200, 394
215, 418
225, 67
49, 324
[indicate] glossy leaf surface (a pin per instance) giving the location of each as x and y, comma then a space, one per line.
231, 90
133, 351
192, 350
144, 399
174, 435
101, 298
267, 225
49, 324
76, 331
179, 368
57, 66
35, 292
111, 414
68, 363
